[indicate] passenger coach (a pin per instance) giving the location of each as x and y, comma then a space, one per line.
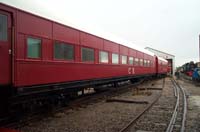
39, 55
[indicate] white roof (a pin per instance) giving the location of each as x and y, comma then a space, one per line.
162, 59
88, 29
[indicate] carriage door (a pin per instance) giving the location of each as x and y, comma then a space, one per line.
5, 48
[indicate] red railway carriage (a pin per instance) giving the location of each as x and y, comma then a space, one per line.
45, 61
38, 51
52, 60
162, 66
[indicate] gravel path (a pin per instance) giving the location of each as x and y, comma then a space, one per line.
101, 116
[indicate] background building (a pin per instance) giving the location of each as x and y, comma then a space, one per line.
167, 56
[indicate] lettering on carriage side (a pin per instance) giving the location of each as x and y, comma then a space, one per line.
133, 70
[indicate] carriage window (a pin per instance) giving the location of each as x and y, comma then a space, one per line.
124, 59
3, 27
103, 57
148, 62
34, 48
131, 60
136, 61
151, 63
145, 63
87, 54
63, 51
115, 58
141, 62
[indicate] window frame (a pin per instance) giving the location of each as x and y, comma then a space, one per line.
137, 62
41, 48
141, 60
149, 63
129, 60
144, 63
7, 25
81, 59
122, 59
65, 43
100, 57
112, 59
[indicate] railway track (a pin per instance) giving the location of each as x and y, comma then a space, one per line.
129, 125
180, 110
18, 122
166, 113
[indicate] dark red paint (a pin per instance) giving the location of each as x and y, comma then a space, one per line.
22, 71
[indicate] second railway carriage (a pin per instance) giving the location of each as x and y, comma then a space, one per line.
161, 66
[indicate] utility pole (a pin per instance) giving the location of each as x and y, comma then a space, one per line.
199, 47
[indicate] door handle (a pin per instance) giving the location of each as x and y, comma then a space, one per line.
9, 51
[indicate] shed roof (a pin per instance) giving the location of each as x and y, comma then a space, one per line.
162, 59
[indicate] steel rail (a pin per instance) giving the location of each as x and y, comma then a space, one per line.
178, 88
175, 89
142, 112
184, 108
174, 115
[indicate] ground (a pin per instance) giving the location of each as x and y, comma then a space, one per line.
105, 116
193, 113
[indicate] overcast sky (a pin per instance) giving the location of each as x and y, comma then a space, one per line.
172, 26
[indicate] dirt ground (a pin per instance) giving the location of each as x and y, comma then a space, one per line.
111, 117
99, 117
156, 119
193, 113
